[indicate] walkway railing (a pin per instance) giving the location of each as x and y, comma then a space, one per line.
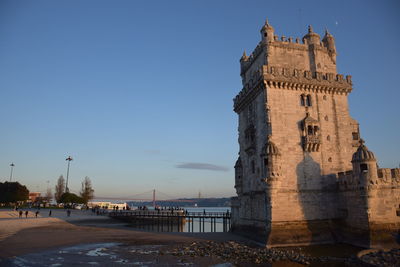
175, 220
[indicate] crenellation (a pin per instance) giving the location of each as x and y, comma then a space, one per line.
389, 173
315, 54
296, 79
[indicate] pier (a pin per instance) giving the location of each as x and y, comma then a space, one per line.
175, 220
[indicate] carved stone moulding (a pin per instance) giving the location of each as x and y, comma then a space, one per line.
244, 98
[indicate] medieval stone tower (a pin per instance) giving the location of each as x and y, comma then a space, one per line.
295, 136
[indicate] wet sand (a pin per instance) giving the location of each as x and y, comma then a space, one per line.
85, 238
21, 236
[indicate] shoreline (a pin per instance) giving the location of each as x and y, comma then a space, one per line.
83, 236
20, 237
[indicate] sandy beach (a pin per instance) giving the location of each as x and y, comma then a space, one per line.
87, 239
26, 236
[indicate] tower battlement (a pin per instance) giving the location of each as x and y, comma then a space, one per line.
385, 177
311, 53
387, 173
280, 41
293, 79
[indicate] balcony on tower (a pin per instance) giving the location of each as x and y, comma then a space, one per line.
311, 135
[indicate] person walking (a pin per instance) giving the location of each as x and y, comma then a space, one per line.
36, 213
68, 213
50, 213
20, 213
26, 214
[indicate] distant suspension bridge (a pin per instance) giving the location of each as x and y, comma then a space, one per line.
150, 196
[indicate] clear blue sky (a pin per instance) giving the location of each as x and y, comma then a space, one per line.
140, 93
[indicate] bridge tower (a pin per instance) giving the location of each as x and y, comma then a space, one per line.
154, 198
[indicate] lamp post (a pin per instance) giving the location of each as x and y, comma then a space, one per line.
12, 167
69, 159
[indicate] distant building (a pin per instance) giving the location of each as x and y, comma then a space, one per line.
303, 174
33, 196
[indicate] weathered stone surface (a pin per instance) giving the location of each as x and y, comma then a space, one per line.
296, 176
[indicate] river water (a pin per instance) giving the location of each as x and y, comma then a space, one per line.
194, 224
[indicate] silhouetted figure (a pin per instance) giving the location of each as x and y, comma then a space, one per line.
50, 213
20, 213
68, 213
26, 214
36, 213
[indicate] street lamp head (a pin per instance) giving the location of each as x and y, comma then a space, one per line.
12, 164
69, 158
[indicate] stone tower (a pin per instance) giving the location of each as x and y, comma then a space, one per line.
303, 174
295, 135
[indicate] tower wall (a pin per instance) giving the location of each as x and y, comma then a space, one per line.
370, 203
288, 54
253, 115
295, 136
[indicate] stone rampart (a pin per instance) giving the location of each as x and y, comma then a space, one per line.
281, 42
386, 177
295, 79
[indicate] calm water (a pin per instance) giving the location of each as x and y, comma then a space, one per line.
207, 223
193, 224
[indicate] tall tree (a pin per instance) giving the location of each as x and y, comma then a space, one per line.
71, 198
49, 195
87, 191
11, 192
60, 189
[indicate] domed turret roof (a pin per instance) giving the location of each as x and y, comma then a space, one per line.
362, 153
271, 149
311, 33
267, 26
327, 34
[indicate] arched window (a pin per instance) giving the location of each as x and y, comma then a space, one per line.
310, 130
302, 100
308, 100
363, 167
315, 130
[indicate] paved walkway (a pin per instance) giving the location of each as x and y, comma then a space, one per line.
10, 223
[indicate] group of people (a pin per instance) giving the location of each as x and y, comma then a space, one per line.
21, 213
169, 208
116, 208
99, 210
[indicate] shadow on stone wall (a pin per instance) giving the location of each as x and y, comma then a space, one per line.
253, 222
317, 197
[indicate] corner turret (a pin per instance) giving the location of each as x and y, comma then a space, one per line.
244, 57
329, 42
271, 161
311, 38
364, 163
244, 60
267, 32
239, 176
